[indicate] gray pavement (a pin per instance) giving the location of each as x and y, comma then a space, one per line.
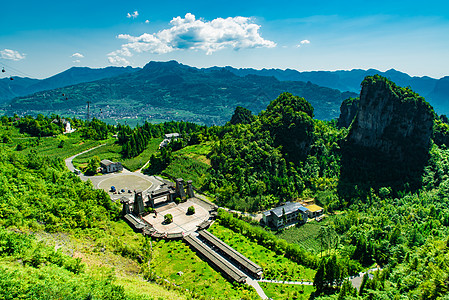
124, 180
257, 287
286, 282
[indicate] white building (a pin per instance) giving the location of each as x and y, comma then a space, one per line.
108, 166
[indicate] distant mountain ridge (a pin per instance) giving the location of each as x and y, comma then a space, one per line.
167, 81
173, 91
10, 89
436, 91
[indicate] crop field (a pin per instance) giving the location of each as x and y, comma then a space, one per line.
274, 266
172, 257
190, 163
287, 291
306, 236
48, 146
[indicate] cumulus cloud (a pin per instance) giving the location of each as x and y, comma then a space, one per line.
118, 60
77, 55
303, 42
133, 15
147, 21
77, 61
12, 54
188, 33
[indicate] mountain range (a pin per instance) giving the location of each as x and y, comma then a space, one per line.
436, 91
18, 87
172, 91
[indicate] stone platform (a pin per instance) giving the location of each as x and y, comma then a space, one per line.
181, 221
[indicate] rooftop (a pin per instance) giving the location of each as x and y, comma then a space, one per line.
314, 208
171, 135
106, 162
288, 208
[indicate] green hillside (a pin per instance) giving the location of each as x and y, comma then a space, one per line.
172, 91
383, 184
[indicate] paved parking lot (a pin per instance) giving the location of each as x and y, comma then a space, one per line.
127, 181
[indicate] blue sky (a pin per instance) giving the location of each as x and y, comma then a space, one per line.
42, 38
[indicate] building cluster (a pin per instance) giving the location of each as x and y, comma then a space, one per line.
291, 212
168, 137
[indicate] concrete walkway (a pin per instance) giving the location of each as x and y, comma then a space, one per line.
257, 287
286, 282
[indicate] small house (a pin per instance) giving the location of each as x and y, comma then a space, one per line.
285, 214
315, 210
168, 137
172, 136
108, 166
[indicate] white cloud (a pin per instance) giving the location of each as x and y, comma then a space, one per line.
12, 54
133, 15
147, 21
303, 42
188, 33
77, 55
77, 61
117, 60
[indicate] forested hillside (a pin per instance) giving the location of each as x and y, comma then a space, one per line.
25, 86
382, 182
387, 210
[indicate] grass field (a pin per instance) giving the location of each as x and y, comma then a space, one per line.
306, 236
274, 266
103, 251
48, 146
287, 291
190, 163
171, 257
112, 151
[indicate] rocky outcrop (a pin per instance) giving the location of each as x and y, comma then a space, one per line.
388, 142
348, 111
393, 120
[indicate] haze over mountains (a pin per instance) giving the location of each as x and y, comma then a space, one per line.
172, 91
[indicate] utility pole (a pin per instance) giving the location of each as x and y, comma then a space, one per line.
88, 111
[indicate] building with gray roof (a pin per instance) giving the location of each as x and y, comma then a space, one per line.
285, 214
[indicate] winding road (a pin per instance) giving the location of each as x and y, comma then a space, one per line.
155, 183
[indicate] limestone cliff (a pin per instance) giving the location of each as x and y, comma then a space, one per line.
388, 142
393, 120
348, 111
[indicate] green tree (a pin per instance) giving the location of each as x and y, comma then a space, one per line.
241, 116
93, 165
289, 119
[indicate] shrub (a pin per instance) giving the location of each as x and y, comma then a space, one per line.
191, 210
168, 218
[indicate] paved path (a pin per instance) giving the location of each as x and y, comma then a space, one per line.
97, 180
286, 282
69, 160
257, 287
357, 280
